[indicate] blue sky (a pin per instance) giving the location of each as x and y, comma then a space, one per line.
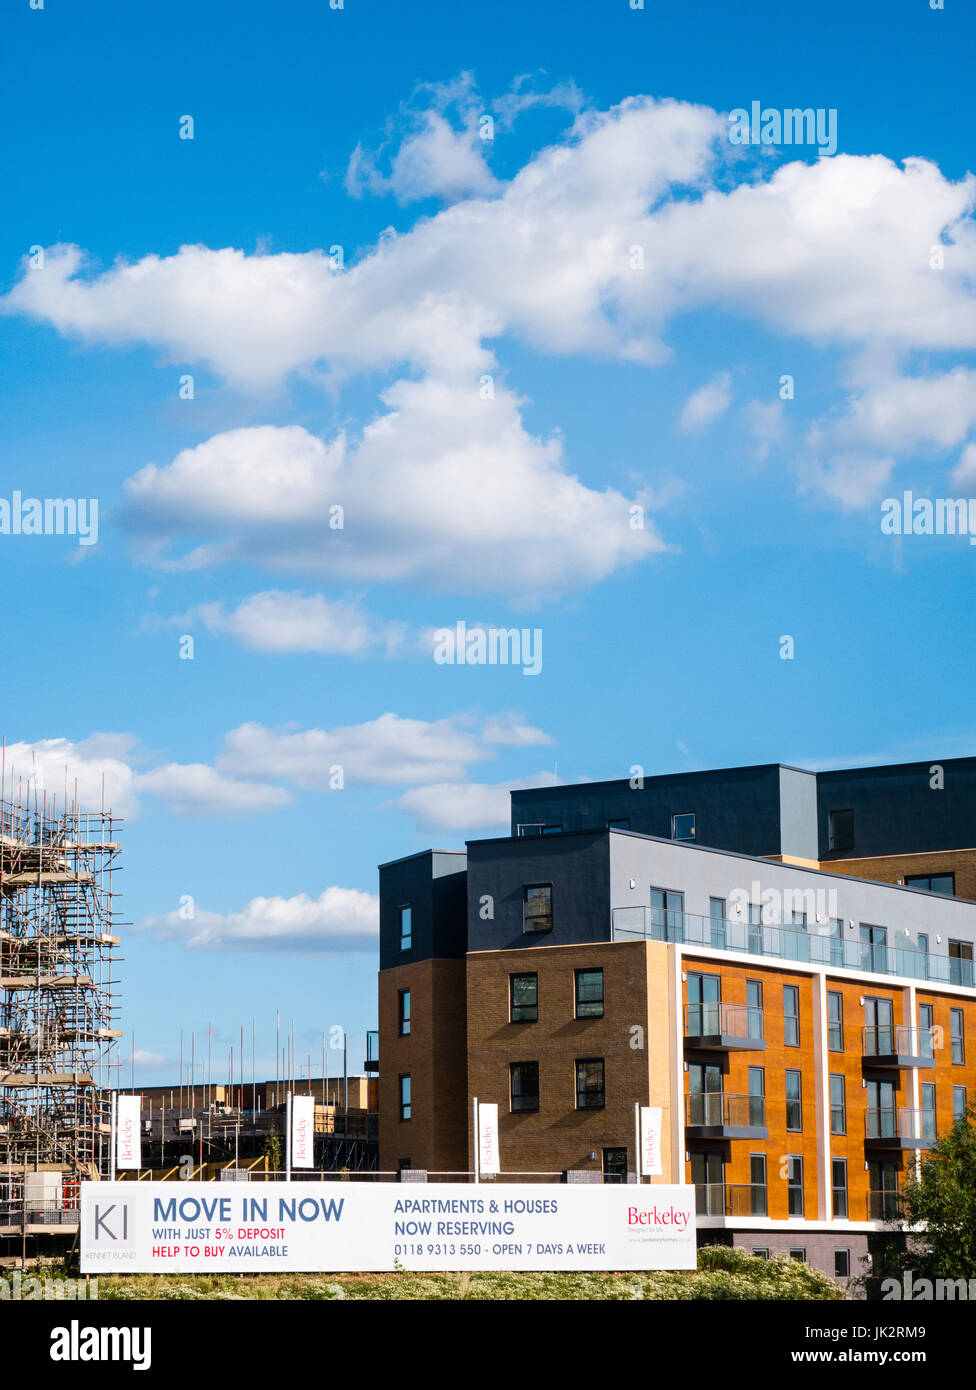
464, 258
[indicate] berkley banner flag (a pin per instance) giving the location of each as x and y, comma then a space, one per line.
302, 1131
650, 1123
488, 1138
128, 1141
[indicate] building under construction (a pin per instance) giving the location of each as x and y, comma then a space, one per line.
57, 1003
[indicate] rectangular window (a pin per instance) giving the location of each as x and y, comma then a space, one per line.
794, 1102
716, 913
757, 1184
757, 1093
524, 1085
537, 907
840, 829
794, 1184
406, 927
523, 998
589, 994
762, 1251
615, 1165
754, 1007
836, 935
838, 1188
926, 1017
838, 1105
590, 1084
799, 1253
403, 1012
882, 1190
552, 829
791, 1015
933, 883
667, 915
958, 1037
961, 963
842, 1262
683, 826
959, 1103
405, 1097
923, 942
928, 1109
835, 1020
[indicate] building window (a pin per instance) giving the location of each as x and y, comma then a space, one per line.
836, 936
704, 1008
791, 1015
757, 1184
406, 927
614, 1165
794, 1102
757, 1096
961, 963
590, 1084
524, 1085
840, 829
933, 883
716, 912
523, 998
842, 1262
923, 942
957, 1036
618, 824
926, 1017
838, 1105
799, 1253
835, 1021
882, 1190
537, 907
667, 915
959, 1104
403, 1012
754, 1007
838, 1188
794, 1184
405, 1165
589, 994
683, 826
928, 1109
552, 829
762, 1251
405, 1097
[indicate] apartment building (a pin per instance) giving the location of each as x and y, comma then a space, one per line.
798, 998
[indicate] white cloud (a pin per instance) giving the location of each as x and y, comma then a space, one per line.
337, 921
964, 473
197, 789
275, 621
464, 806
383, 751
707, 403
445, 490
41, 766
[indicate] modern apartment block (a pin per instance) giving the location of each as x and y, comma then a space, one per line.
781, 960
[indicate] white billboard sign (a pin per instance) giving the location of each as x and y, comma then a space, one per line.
650, 1123
488, 1139
302, 1131
201, 1228
128, 1141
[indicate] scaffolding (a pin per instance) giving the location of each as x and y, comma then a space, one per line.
58, 992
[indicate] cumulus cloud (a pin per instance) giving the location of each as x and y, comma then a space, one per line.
276, 621
707, 403
445, 489
964, 473
465, 806
337, 921
197, 789
100, 765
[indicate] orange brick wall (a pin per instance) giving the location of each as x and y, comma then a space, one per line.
891, 868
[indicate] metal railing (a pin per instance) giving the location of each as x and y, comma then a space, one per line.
886, 1040
715, 1108
731, 1199
902, 1123
717, 1017
787, 943
38, 1213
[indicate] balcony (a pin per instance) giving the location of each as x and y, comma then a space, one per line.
886, 1127
720, 1115
788, 943
897, 1046
727, 1027
731, 1199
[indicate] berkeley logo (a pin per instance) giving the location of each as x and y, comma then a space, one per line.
657, 1216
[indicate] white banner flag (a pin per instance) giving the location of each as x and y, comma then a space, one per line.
650, 1118
303, 1132
488, 1138
128, 1140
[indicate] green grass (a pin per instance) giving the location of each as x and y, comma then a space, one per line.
722, 1273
